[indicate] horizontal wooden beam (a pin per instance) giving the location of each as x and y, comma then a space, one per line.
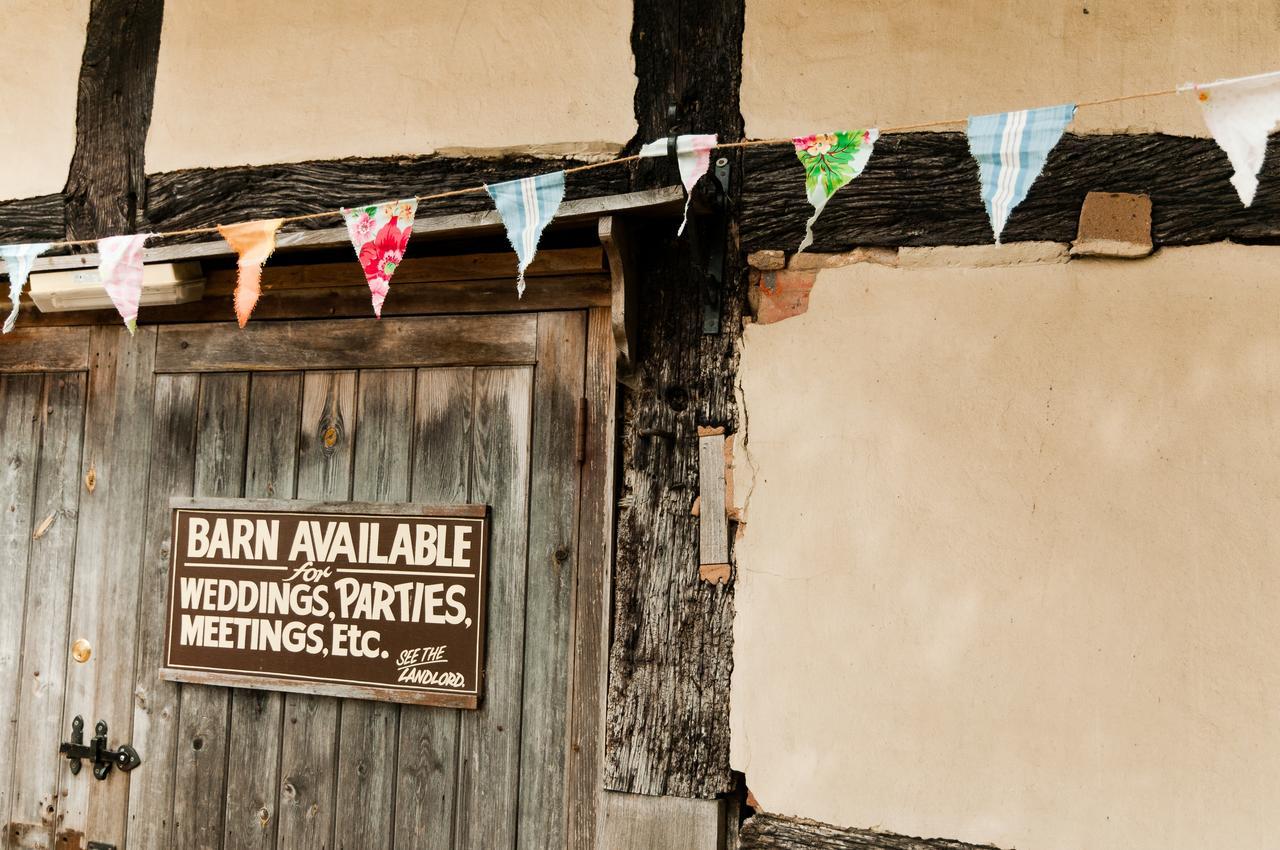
45, 350
345, 344
38, 219
922, 189
664, 201
774, 832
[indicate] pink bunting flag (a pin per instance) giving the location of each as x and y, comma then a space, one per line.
380, 235
693, 157
120, 270
253, 241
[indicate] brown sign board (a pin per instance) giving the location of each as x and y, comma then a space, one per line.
374, 601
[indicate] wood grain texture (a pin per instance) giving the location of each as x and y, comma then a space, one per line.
41, 349
21, 402
713, 522
336, 344
590, 638
155, 709
48, 597
489, 750
369, 731
775, 832
922, 189
552, 563
200, 197
309, 748
200, 776
426, 790
109, 555
36, 219
641, 822
672, 647
253, 755
106, 183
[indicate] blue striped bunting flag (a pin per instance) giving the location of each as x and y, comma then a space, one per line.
1011, 149
527, 207
17, 262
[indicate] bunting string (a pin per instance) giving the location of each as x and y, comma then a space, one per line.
1010, 148
591, 166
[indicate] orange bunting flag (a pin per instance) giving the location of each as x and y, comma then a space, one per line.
253, 241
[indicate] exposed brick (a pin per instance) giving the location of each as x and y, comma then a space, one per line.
778, 295
1114, 224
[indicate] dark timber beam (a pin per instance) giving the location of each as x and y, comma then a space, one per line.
922, 189
105, 185
667, 727
771, 832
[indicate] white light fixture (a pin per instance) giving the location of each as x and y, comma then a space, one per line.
81, 289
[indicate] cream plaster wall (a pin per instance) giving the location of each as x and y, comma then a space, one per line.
833, 64
44, 41
1012, 560
252, 82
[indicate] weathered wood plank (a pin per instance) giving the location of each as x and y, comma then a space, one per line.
713, 522
48, 598
448, 268
21, 398
922, 189
155, 712
671, 654
775, 832
489, 750
414, 299
253, 757
106, 183
369, 731
426, 790
591, 591
345, 507
390, 343
109, 550
553, 514
44, 349
309, 749
640, 822
200, 778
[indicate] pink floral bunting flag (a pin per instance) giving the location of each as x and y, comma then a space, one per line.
380, 235
120, 270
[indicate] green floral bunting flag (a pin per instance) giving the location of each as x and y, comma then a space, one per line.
831, 160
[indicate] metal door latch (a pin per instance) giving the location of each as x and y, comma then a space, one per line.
126, 758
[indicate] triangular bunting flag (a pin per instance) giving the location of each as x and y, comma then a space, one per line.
1011, 149
380, 235
120, 270
253, 241
527, 207
830, 161
1240, 114
693, 157
17, 262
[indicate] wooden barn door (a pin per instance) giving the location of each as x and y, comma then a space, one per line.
440, 410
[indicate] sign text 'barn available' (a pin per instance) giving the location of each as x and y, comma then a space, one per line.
372, 600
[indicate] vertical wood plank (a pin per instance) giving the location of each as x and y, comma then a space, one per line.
713, 521
44, 656
489, 750
109, 547
20, 407
201, 773
155, 712
369, 731
308, 750
592, 593
642, 822
553, 520
428, 758
253, 756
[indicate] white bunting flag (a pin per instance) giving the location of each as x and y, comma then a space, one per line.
1240, 114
